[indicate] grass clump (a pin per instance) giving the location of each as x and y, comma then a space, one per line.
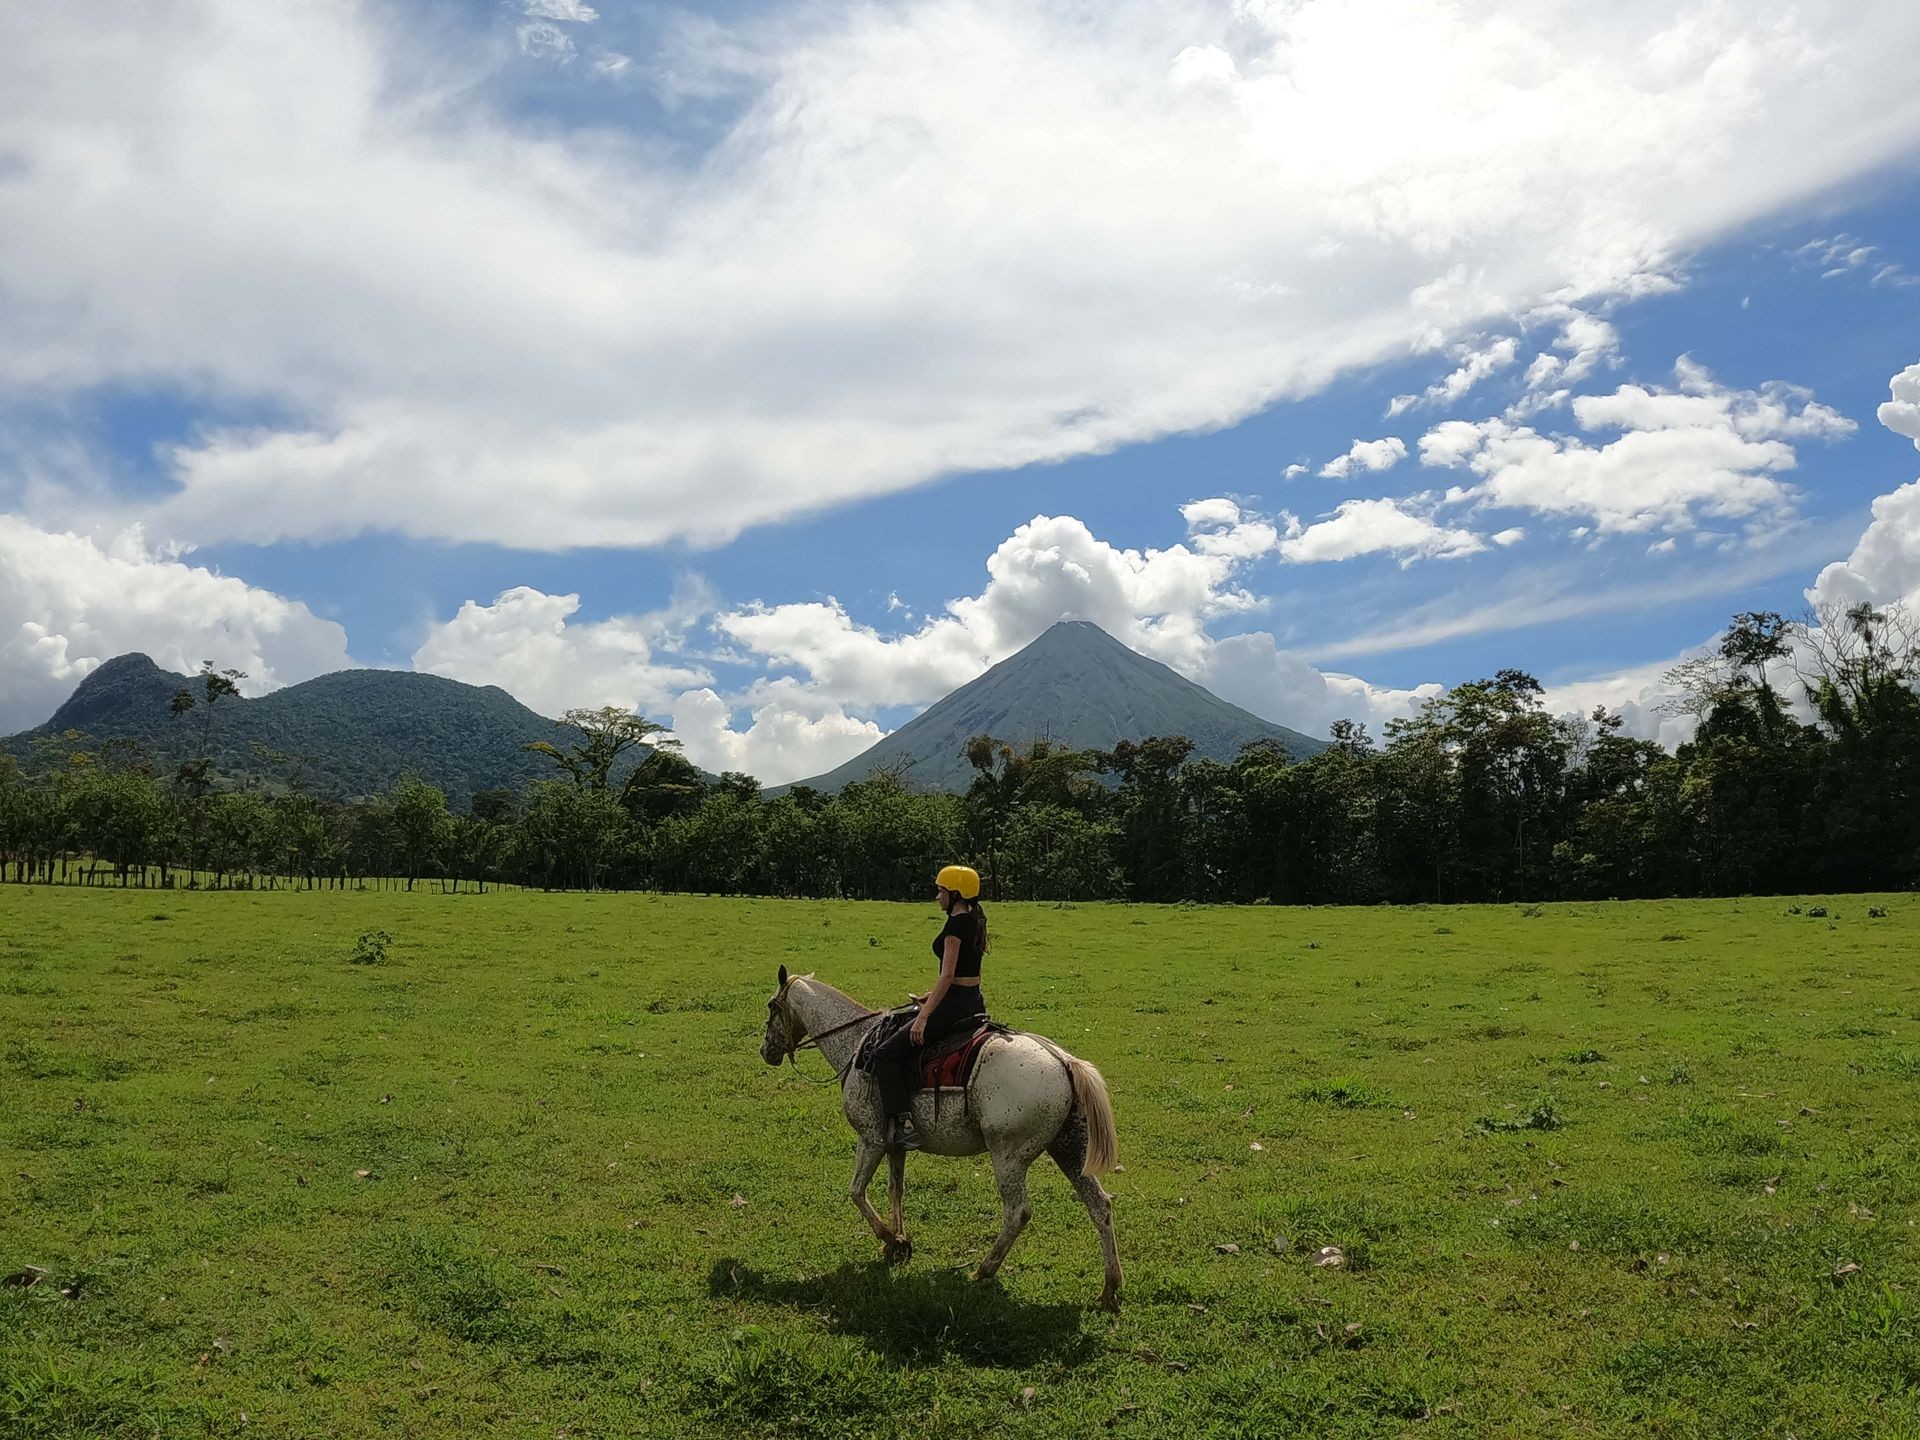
371, 948
797, 1383
43, 1395
1348, 1093
1543, 1114
452, 1285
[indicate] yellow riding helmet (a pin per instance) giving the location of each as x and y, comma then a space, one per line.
963, 881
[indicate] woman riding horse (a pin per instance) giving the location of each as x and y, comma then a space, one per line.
953, 1004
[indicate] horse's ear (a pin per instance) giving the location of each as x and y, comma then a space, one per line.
783, 977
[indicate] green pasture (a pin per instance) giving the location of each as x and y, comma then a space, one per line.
1598, 1169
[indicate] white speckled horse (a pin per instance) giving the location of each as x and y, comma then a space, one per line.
1027, 1095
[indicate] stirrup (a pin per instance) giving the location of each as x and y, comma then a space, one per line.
904, 1135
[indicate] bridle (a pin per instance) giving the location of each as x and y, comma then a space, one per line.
812, 1042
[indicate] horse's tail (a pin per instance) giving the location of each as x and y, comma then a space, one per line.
1091, 1100
1090, 1097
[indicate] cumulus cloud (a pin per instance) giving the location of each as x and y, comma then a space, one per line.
528, 643
1253, 672
1696, 450
1901, 414
1639, 695
68, 602
1885, 563
1220, 528
551, 337
1051, 568
792, 733
1366, 456
1372, 527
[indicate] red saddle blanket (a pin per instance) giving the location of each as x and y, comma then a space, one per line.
948, 1065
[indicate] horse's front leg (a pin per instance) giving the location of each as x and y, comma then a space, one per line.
899, 1248
866, 1160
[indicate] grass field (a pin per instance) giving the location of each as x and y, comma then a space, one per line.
1595, 1169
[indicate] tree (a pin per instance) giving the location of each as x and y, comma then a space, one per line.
1148, 808
194, 779
416, 816
602, 736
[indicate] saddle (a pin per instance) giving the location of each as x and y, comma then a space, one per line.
946, 1064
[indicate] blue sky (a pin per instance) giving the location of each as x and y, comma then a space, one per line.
775, 369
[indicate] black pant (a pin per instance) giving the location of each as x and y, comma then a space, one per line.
897, 1060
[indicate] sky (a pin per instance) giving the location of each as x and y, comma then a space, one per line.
775, 369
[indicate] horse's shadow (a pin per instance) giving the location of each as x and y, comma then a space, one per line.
916, 1316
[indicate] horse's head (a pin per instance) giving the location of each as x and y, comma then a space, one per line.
784, 1032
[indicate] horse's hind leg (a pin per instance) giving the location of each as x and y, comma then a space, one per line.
899, 1248
866, 1160
1010, 1175
1069, 1152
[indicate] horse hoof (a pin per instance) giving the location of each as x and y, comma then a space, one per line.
899, 1251
1110, 1301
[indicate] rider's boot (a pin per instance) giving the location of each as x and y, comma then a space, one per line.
905, 1137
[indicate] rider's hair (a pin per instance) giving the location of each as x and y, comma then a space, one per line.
980, 911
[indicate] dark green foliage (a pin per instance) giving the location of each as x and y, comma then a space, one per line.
1480, 795
371, 948
1541, 1114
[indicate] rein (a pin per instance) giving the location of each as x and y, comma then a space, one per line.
812, 1042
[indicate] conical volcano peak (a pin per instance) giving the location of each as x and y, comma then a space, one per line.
1077, 686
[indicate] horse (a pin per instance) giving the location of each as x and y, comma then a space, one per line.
1027, 1095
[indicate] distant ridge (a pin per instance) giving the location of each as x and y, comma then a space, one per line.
1077, 686
360, 729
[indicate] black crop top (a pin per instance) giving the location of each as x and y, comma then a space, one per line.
966, 925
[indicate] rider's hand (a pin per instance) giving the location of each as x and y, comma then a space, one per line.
919, 1031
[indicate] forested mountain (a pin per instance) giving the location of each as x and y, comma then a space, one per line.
345, 735
1076, 687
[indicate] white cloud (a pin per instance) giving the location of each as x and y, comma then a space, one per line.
1901, 414
1698, 450
1220, 528
1054, 568
1474, 365
1508, 537
527, 643
1637, 694
1371, 527
1885, 563
1253, 672
1586, 341
1367, 456
793, 733
544, 40
1839, 255
570, 10
1051, 568
68, 602
550, 337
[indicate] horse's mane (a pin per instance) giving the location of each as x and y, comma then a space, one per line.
829, 989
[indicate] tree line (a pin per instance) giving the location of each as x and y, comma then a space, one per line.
1802, 773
